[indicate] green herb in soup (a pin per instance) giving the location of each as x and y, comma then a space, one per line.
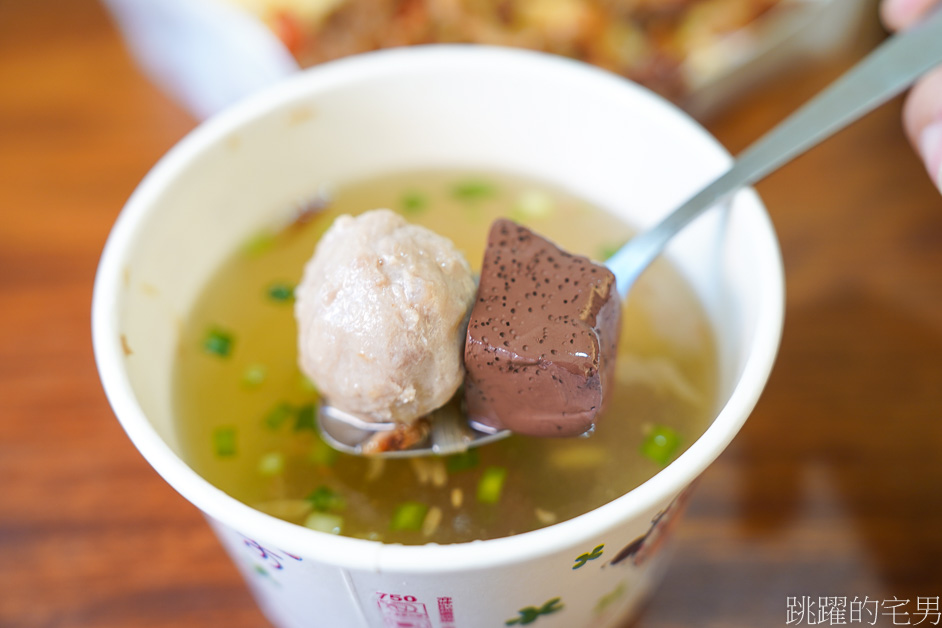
247, 416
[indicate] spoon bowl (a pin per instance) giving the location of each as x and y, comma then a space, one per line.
450, 432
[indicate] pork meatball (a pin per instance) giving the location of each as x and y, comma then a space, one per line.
382, 313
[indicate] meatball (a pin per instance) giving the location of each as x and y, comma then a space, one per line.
382, 313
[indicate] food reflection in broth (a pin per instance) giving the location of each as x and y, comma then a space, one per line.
246, 416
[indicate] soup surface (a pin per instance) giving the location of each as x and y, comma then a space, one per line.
246, 415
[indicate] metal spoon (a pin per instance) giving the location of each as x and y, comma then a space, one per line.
881, 75
450, 432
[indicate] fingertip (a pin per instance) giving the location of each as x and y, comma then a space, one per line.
889, 14
922, 120
901, 14
923, 105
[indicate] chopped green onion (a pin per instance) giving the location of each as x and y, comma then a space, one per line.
306, 418
306, 385
473, 190
224, 441
323, 454
254, 375
491, 485
271, 464
325, 500
218, 342
408, 516
324, 522
277, 416
660, 444
281, 292
413, 202
258, 244
608, 250
463, 461
533, 204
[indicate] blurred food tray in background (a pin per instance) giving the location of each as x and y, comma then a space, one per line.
697, 53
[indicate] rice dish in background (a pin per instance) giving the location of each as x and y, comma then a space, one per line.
647, 41
699, 54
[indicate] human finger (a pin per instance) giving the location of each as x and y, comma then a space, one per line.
901, 14
922, 119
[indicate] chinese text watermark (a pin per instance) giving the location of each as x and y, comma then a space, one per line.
806, 610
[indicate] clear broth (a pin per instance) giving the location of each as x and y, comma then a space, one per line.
238, 415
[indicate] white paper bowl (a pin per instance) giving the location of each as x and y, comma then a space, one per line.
450, 107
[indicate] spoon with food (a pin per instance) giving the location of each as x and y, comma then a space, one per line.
383, 307
386, 335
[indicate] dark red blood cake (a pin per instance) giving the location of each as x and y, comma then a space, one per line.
542, 337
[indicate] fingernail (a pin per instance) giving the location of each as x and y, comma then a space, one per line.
930, 148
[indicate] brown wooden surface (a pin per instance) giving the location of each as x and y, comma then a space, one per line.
831, 489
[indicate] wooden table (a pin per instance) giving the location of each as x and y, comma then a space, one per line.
832, 488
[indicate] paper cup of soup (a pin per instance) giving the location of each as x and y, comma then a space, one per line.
196, 341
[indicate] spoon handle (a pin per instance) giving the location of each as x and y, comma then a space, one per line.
881, 75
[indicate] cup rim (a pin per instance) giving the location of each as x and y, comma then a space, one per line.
371, 555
